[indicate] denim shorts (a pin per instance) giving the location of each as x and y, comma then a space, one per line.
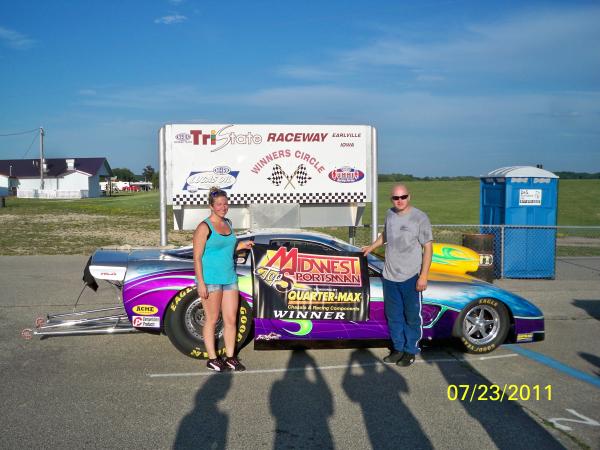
222, 287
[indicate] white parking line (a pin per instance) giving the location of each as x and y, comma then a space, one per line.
343, 366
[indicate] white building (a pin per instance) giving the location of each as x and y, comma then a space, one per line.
5, 183
62, 178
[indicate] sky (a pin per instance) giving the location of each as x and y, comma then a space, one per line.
453, 87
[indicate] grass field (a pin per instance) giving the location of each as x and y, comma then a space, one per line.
457, 202
32, 226
80, 226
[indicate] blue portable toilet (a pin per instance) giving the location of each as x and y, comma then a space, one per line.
527, 196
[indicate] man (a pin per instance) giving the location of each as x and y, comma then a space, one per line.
408, 236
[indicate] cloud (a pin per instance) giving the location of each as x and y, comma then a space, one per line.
306, 97
401, 110
145, 97
553, 48
171, 19
424, 110
430, 78
15, 40
556, 45
306, 72
434, 133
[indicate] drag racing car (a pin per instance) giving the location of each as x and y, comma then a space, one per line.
158, 292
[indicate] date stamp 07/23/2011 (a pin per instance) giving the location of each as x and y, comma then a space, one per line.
499, 393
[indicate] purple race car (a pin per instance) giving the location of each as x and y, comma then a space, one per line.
159, 295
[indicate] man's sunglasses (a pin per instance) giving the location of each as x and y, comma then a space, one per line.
399, 197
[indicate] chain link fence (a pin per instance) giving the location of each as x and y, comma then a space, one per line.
519, 251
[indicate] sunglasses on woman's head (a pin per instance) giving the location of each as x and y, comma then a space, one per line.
215, 193
400, 197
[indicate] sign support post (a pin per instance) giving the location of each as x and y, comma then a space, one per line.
162, 164
374, 180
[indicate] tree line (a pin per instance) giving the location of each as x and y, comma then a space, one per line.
408, 177
148, 174
578, 175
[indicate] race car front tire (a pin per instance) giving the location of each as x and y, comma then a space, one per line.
482, 325
184, 320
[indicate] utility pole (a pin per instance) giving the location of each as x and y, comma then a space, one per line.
41, 158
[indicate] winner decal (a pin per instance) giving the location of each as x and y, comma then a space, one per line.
326, 285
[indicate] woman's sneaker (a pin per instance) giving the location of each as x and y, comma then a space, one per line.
217, 364
234, 364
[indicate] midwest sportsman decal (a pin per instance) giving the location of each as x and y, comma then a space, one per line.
312, 286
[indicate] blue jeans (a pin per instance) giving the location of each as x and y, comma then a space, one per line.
403, 312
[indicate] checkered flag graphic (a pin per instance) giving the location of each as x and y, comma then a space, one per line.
277, 175
302, 175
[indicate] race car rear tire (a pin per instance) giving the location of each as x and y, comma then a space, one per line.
482, 325
183, 325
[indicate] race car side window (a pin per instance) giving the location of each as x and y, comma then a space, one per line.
281, 243
302, 246
241, 257
373, 273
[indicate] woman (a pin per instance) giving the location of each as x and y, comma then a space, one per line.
214, 249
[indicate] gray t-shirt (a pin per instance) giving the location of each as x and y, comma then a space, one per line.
405, 234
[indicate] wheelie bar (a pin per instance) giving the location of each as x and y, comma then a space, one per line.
95, 321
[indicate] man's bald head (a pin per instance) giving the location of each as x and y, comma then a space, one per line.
400, 198
399, 189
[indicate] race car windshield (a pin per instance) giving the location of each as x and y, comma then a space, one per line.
373, 259
182, 252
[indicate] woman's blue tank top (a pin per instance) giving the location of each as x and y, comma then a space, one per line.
217, 260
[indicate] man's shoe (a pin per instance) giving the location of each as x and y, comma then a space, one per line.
407, 360
393, 357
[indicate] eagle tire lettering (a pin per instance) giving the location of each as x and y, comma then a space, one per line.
183, 327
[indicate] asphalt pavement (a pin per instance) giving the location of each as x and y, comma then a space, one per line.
137, 391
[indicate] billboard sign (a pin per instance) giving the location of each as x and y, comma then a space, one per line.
268, 163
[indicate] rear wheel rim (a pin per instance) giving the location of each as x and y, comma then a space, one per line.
194, 320
481, 324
